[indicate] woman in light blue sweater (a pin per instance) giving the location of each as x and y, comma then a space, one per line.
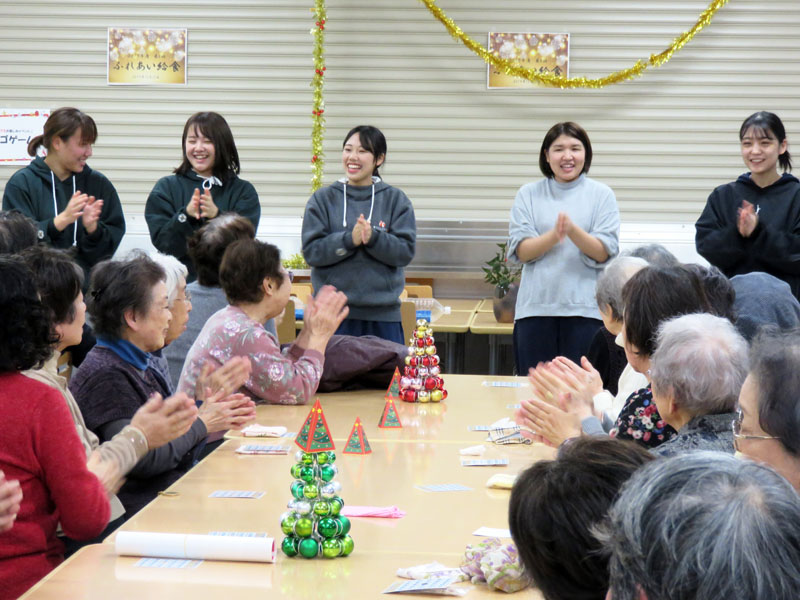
563, 229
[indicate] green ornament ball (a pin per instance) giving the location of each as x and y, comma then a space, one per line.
322, 458
308, 548
345, 524
336, 505
289, 546
327, 472
307, 459
307, 474
288, 520
295, 470
304, 527
331, 548
297, 489
310, 491
328, 527
322, 508
331, 457
347, 545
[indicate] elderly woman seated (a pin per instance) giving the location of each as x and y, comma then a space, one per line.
696, 373
554, 506
704, 526
39, 447
258, 288
767, 427
128, 302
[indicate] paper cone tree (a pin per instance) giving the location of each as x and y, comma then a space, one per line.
393, 391
357, 442
314, 436
389, 418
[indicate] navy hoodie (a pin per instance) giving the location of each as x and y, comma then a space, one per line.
774, 245
370, 275
37, 192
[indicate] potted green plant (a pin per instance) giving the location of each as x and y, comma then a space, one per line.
504, 277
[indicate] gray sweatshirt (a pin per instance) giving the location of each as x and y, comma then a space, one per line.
561, 282
370, 275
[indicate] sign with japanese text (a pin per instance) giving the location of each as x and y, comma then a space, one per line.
17, 127
146, 56
545, 52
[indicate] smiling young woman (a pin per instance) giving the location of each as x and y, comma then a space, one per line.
205, 184
563, 229
71, 204
358, 235
753, 223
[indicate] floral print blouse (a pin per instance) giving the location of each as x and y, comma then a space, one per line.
639, 421
290, 376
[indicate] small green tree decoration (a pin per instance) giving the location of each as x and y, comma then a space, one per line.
499, 273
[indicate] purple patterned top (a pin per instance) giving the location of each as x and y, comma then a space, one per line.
290, 376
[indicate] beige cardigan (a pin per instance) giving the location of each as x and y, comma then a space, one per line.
126, 448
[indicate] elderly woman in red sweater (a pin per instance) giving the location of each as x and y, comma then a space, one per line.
39, 446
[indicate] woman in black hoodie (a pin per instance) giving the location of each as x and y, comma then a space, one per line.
753, 223
72, 205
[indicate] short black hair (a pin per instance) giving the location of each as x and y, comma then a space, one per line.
767, 124
17, 232
58, 278
718, 289
27, 334
372, 140
570, 129
554, 505
208, 244
117, 286
655, 294
775, 366
245, 266
214, 127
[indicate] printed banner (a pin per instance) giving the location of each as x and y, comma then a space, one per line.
146, 56
17, 127
545, 52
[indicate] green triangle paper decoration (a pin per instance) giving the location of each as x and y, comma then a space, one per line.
314, 436
394, 386
357, 443
389, 418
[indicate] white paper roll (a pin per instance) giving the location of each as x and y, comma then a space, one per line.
196, 547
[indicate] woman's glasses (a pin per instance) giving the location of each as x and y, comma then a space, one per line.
736, 426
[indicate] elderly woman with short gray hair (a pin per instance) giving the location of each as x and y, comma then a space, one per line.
697, 371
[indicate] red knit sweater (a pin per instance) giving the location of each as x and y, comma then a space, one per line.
39, 446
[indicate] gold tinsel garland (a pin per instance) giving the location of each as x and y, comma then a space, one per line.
318, 126
513, 68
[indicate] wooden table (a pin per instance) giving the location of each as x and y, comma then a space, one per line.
470, 304
486, 305
438, 525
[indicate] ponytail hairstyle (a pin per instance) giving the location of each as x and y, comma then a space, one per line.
214, 127
63, 123
766, 125
372, 140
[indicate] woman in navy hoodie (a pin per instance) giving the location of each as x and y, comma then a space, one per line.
358, 234
72, 205
204, 185
753, 223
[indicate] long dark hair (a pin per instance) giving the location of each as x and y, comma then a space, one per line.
214, 127
765, 125
63, 123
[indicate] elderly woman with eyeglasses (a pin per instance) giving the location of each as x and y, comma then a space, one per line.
767, 427
696, 374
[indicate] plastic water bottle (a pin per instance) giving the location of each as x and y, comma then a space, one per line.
430, 309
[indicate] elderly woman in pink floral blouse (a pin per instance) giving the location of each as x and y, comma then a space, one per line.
258, 288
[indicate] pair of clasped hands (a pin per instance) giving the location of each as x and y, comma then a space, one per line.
202, 206
163, 420
362, 232
563, 397
746, 219
80, 206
